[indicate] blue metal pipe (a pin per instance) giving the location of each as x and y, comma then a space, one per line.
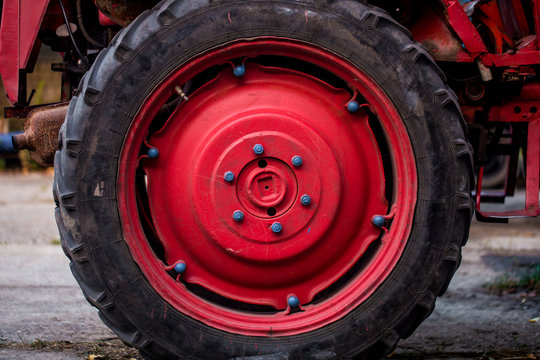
6, 144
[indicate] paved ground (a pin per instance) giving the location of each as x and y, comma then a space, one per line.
43, 314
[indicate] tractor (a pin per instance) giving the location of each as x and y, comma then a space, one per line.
275, 179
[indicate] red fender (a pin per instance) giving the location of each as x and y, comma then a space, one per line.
21, 20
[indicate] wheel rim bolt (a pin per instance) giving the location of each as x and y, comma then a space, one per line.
258, 149
276, 227
239, 71
293, 301
152, 153
378, 221
180, 267
296, 160
228, 176
305, 199
353, 106
238, 216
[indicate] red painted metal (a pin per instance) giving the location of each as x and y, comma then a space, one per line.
508, 59
18, 33
289, 113
465, 29
437, 37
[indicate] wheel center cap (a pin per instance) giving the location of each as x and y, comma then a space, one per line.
267, 187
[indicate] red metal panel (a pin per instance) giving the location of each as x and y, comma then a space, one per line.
21, 20
465, 29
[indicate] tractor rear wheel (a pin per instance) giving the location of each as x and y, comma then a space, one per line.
263, 179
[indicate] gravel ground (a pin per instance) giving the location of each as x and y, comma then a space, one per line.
43, 314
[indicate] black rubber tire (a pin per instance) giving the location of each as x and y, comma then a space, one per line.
160, 39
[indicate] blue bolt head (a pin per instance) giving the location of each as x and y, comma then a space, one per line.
239, 71
353, 106
180, 267
276, 227
258, 149
305, 199
378, 221
228, 176
152, 153
296, 160
293, 301
238, 215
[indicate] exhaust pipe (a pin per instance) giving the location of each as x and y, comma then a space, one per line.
40, 134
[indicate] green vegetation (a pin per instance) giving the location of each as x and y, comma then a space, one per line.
530, 281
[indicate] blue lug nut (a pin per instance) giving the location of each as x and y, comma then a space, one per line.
152, 153
238, 215
180, 267
297, 160
276, 227
258, 149
353, 106
378, 221
239, 71
305, 199
228, 176
293, 301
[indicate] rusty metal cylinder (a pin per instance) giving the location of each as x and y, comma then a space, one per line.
40, 134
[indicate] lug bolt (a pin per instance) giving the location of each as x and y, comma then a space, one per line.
152, 153
305, 199
353, 106
239, 71
238, 215
258, 149
293, 301
378, 221
228, 176
296, 160
180, 267
276, 227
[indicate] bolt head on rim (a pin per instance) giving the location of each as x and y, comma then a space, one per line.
276, 227
228, 176
379, 221
293, 301
180, 267
296, 160
153, 153
238, 216
258, 149
353, 106
305, 199
239, 71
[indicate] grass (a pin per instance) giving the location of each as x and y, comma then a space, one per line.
530, 281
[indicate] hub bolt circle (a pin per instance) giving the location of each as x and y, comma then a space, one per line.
238, 215
293, 301
296, 160
180, 267
228, 176
276, 227
258, 149
378, 221
152, 153
239, 71
305, 199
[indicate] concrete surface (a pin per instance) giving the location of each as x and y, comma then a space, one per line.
43, 314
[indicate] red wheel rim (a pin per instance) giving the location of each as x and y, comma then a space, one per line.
239, 273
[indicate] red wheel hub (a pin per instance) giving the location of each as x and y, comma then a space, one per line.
224, 227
